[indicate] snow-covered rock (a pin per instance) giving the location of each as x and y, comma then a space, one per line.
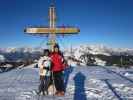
7, 66
100, 62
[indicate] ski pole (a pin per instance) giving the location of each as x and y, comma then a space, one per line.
53, 82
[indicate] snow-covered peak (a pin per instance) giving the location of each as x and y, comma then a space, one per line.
20, 54
2, 58
99, 49
22, 49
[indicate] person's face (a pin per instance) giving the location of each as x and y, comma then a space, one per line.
46, 53
56, 49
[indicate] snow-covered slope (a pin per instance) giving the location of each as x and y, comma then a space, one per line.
82, 83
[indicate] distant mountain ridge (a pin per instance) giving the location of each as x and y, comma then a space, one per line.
101, 55
19, 54
104, 50
87, 54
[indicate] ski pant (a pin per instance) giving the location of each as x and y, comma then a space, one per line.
44, 83
59, 81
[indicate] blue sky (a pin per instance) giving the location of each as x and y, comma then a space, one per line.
107, 22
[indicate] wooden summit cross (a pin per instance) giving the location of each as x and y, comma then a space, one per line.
52, 30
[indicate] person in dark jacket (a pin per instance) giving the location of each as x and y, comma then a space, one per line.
58, 68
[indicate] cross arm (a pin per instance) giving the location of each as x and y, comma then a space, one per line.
47, 30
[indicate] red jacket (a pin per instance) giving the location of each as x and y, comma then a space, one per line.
57, 62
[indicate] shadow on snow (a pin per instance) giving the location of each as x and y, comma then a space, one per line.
112, 89
122, 76
79, 81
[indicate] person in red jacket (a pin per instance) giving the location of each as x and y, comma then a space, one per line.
57, 69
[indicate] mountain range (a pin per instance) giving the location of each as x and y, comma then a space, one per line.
87, 54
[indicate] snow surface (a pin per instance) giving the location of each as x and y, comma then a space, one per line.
82, 83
